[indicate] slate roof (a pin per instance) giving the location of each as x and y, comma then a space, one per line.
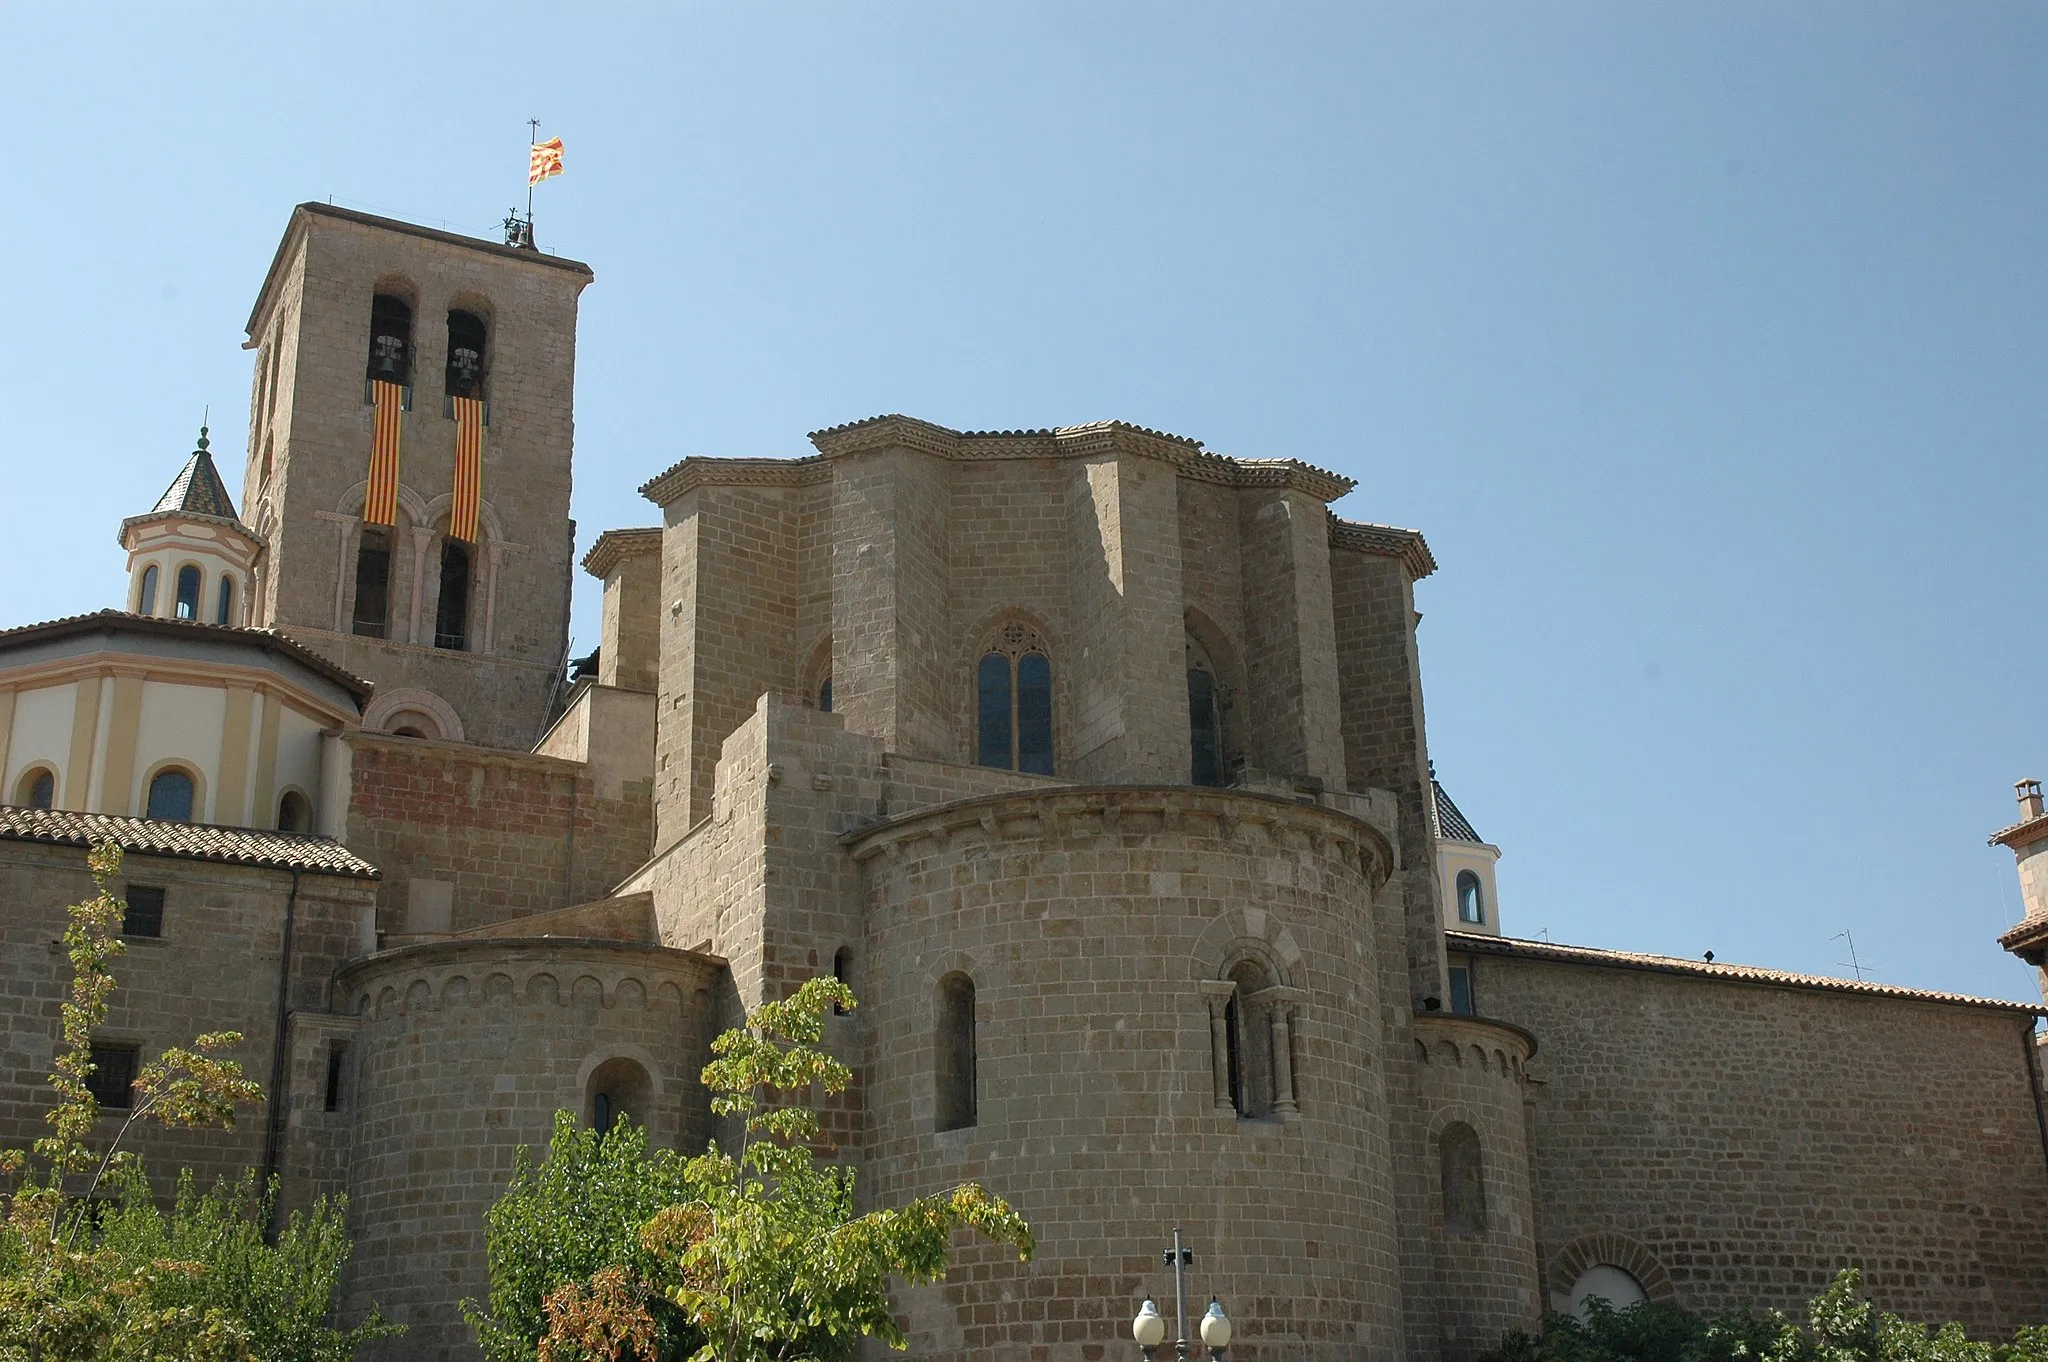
198, 489
190, 841
1450, 824
1472, 943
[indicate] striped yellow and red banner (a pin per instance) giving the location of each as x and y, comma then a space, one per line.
469, 468
380, 502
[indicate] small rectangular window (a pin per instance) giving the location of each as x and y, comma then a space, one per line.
112, 1081
337, 1064
144, 915
1461, 990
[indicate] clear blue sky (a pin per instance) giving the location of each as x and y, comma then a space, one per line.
1705, 342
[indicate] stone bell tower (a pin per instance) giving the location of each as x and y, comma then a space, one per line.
463, 630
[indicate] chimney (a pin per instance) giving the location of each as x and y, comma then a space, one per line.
2029, 792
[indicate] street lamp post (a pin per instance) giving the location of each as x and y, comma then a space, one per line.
1149, 1328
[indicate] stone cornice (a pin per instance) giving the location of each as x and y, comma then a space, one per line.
1462, 1028
504, 951
614, 545
2021, 834
1097, 440
301, 223
1081, 811
699, 471
199, 517
2028, 940
1385, 541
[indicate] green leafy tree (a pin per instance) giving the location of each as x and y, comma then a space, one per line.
90, 1279
577, 1219
758, 1255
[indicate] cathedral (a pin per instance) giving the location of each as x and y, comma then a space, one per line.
1095, 762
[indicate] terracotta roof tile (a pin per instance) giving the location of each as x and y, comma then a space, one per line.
1473, 944
190, 841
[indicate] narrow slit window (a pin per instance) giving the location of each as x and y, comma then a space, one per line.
337, 1067
842, 970
188, 592
451, 614
373, 584
225, 613
1464, 1181
1461, 990
1205, 731
954, 1057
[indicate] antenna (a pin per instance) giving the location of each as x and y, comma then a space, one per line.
1852, 964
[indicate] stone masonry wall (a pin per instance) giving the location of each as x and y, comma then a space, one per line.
215, 968
1088, 920
1379, 678
1468, 1281
1753, 1140
512, 832
320, 433
467, 1051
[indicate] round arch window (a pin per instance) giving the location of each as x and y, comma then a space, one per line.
619, 1089
1471, 898
1618, 1287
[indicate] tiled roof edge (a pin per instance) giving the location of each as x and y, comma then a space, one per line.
185, 841
1475, 944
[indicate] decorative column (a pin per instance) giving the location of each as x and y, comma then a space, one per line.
422, 545
1218, 993
344, 529
1281, 1003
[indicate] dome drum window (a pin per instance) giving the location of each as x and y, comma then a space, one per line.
172, 795
1471, 898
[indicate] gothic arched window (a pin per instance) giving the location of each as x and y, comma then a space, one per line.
145, 598
451, 614
390, 340
373, 583
188, 592
171, 793
953, 1058
225, 614
1013, 703
1464, 1181
1471, 898
465, 375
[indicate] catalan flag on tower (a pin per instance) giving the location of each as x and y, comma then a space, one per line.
545, 163
380, 499
469, 468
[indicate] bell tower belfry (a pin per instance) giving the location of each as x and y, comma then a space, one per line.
410, 435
